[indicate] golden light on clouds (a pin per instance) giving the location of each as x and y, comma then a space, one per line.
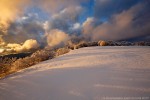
10, 10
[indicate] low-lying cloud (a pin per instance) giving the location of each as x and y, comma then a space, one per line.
57, 38
28, 45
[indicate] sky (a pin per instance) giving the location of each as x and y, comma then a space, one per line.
115, 20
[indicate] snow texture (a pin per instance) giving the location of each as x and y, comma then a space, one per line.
90, 73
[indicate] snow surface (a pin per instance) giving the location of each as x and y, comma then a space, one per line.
85, 74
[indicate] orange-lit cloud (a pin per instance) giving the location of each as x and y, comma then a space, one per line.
27, 46
57, 38
10, 9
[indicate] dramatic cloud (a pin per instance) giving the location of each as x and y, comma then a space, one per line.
131, 23
106, 8
30, 25
57, 38
42, 20
9, 10
30, 44
27, 27
65, 18
88, 27
26, 46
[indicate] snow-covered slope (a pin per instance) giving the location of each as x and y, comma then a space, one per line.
85, 74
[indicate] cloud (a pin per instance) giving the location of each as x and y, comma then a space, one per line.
13, 45
3, 29
32, 26
1, 40
106, 8
28, 45
76, 26
11, 28
24, 28
131, 23
57, 38
11, 9
55, 6
64, 19
18, 26
21, 20
88, 26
